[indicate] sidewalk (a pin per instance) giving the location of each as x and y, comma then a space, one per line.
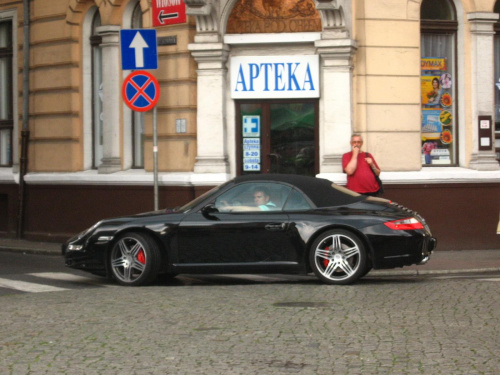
441, 262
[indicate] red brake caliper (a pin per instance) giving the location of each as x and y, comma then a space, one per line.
141, 257
326, 262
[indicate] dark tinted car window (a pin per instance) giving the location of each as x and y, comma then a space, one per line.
241, 197
322, 192
296, 202
189, 206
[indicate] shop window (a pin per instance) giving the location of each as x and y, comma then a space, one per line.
438, 83
6, 93
97, 94
277, 136
497, 82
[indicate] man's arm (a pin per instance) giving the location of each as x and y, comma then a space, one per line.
373, 166
352, 165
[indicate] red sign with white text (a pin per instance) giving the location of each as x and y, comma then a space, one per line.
168, 12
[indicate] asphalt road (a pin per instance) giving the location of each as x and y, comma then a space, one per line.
244, 324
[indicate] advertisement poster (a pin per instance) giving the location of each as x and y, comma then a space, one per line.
437, 111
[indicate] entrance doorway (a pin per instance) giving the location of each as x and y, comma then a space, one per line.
277, 136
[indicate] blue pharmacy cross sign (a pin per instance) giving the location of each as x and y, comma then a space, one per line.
140, 91
251, 126
138, 48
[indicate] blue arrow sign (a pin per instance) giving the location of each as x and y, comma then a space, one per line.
138, 48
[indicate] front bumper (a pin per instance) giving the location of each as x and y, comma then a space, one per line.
79, 254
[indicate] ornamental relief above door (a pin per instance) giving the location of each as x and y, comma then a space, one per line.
273, 16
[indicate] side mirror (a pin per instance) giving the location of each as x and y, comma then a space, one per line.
208, 210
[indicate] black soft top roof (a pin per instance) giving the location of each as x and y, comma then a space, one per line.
319, 190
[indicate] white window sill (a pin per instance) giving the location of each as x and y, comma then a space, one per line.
8, 176
140, 177
129, 177
438, 175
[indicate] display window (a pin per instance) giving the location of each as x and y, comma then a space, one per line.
277, 137
438, 83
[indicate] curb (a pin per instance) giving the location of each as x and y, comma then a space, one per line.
432, 272
26, 250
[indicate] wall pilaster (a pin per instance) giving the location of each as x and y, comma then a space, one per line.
211, 120
336, 103
482, 104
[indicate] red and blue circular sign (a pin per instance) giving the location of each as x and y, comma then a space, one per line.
140, 91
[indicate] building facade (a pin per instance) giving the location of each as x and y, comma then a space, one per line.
249, 86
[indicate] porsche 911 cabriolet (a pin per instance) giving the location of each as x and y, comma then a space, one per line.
269, 223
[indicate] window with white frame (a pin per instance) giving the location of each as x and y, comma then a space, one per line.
97, 95
6, 93
137, 117
497, 82
438, 25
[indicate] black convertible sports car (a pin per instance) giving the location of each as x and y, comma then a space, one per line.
258, 224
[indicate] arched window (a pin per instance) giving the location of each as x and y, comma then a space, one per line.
497, 83
438, 26
137, 117
97, 95
6, 93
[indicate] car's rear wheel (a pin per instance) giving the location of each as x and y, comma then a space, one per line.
134, 259
338, 257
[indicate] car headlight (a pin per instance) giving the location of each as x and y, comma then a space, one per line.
75, 247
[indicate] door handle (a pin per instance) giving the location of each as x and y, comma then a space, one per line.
276, 227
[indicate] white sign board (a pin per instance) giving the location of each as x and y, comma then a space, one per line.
251, 154
254, 77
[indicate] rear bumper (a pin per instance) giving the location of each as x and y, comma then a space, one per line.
400, 252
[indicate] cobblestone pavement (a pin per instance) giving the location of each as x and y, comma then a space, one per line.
246, 325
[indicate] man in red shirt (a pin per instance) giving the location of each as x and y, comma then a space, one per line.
360, 168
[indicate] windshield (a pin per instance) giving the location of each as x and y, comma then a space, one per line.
189, 206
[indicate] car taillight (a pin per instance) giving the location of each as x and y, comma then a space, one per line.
405, 224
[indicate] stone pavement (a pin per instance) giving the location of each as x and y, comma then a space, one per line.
441, 262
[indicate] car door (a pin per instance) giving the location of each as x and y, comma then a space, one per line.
234, 231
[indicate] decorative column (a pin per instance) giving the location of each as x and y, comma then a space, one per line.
211, 119
336, 50
111, 161
483, 85
211, 56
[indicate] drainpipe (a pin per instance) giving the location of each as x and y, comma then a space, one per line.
25, 132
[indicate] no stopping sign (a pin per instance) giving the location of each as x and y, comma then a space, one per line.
140, 91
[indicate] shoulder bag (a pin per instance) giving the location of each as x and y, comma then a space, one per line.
377, 178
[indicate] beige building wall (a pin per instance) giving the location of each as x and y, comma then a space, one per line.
56, 87
387, 80
386, 83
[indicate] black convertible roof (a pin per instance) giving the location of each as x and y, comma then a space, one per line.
319, 190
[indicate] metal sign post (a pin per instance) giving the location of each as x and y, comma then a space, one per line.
141, 89
141, 92
155, 158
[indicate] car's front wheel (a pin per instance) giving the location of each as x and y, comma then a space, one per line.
134, 259
338, 257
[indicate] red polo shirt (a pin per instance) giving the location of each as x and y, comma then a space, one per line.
362, 180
